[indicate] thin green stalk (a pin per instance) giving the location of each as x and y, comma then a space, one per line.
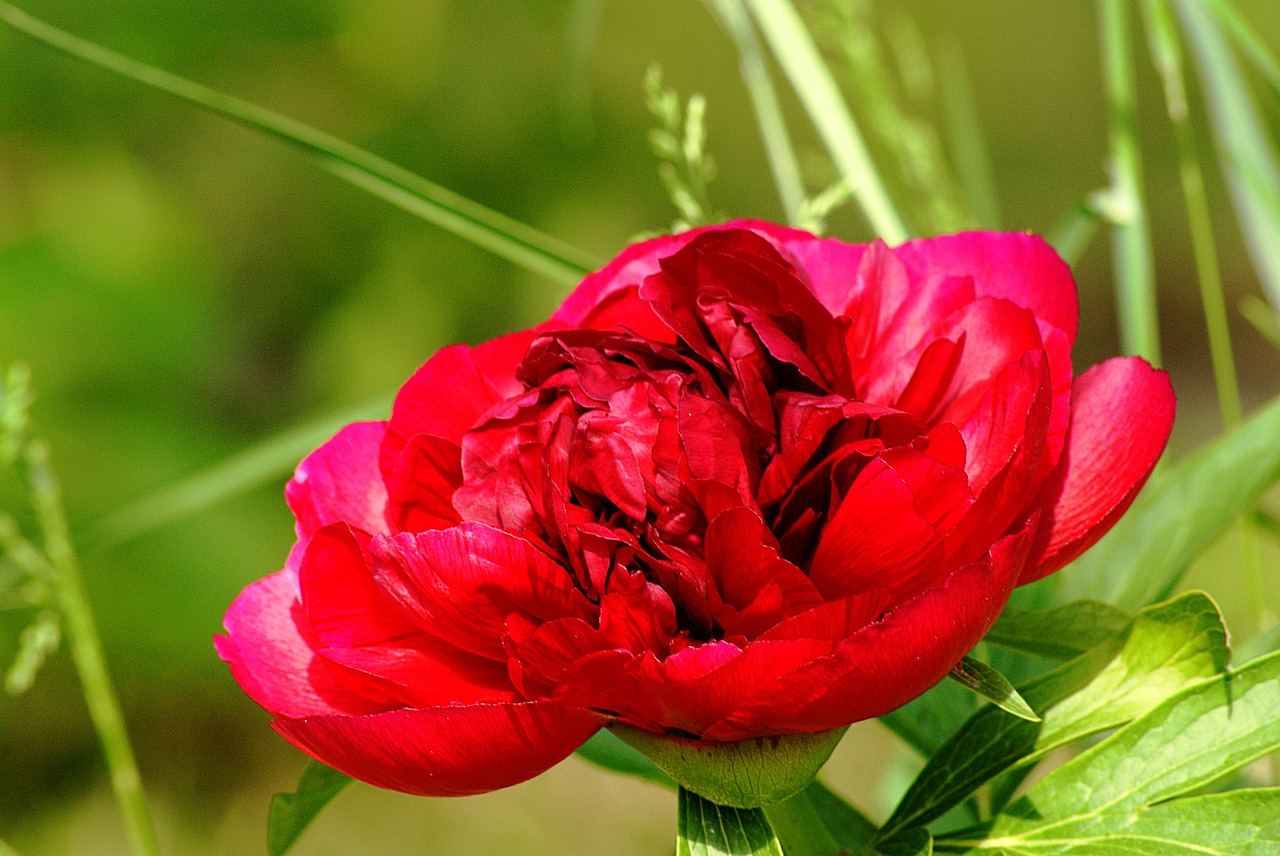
250, 468
773, 129
1247, 153
973, 162
1131, 239
812, 80
1248, 41
1167, 54
495, 232
86, 650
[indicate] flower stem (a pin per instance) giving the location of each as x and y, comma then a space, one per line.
86, 649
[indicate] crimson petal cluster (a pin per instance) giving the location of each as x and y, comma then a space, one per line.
745, 482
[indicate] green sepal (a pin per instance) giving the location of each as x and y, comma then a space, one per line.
741, 774
291, 814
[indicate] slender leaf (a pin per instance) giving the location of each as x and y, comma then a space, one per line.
988, 683
803, 830
495, 232
812, 80
1071, 236
964, 131
848, 826
1131, 235
1178, 515
912, 842
707, 829
604, 749
1247, 153
1248, 41
291, 814
764, 99
926, 722
244, 471
1057, 634
1122, 796
1165, 648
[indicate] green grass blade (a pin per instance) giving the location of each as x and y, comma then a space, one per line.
290, 814
964, 130
254, 467
812, 80
1248, 41
1071, 235
471, 221
1247, 153
1131, 236
773, 129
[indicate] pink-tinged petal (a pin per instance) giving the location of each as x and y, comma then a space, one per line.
343, 606
888, 531
889, 662
431, 673
461, 584
340, 482
1018, 267
269, 647
445, 751
1121, 415
452, 390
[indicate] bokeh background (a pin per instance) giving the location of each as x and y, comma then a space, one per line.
183, 289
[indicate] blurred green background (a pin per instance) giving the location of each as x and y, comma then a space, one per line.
183, 288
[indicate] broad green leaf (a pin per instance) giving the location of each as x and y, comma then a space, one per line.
1165, 648
290, 814
495, 232
269, 459
812, 80
604, 749
978, 677
1247, 153
926, 722
1122, 796
707, 829
1178, 515
1060, 633
848, 826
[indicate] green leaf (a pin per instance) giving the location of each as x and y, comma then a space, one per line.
1248, 41
812, 80
1165, 648
819, 822
980, 678
1123, 795
926, 722
707, 829
290, 814
1247, 152
604, 749
912, 842
1179, 514
482, 226
1057, 634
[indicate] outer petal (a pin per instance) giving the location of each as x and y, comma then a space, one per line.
890, 661
449, 393
1121, 415
445, 751
269, 648
340, 482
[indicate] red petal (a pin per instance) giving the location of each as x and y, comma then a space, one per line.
885, 664
460, 584
1121, 415
340, 482
887, 532
269, 648
445, 751
431, 673
450, 392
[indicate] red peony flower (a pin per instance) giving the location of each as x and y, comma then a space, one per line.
745, 482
